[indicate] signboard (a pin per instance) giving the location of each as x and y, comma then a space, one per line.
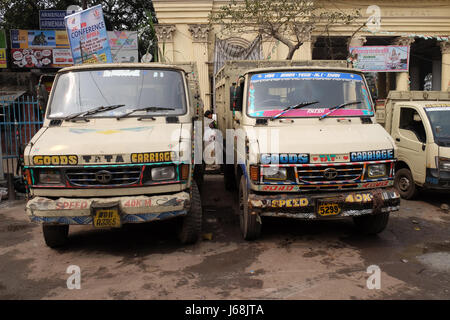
124, 46
52, 19
88, 37
380, 58
3, 63
40, 49
3, 58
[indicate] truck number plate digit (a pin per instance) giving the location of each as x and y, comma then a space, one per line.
328, 209
107, 218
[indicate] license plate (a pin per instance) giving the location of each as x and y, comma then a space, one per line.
107, 218
328, 209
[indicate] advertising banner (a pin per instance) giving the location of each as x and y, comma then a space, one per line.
88, 37
3, 63
124, 46
52, 19
40, 49
380, 58
3, 58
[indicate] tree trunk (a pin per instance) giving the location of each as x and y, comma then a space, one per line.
292, 50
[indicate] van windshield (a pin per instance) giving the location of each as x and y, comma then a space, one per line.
270, 93
81, 91
440, 120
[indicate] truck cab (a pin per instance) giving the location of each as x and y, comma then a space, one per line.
419, 123
116, 147
311, 147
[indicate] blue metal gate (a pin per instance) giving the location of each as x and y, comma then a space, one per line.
20, 118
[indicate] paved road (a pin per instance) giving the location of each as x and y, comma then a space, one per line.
293, 260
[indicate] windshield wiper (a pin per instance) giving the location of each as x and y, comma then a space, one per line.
332, 109
295, 106
143, 109
93, 111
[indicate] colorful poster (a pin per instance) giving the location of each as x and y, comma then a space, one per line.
40, 49
62, 58
32, 58
124, 46
52, 19
24, 39
380, 59
3, 58
88, 37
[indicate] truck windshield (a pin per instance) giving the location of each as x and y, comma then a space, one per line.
270, 93
440, 121
80, 91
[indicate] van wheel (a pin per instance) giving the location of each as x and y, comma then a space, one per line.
55, 235
228, 177
191, 225
404, 182
372, 224
250, 226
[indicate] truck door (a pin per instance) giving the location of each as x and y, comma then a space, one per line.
410, 136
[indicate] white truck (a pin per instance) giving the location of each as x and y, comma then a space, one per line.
116, 147
311, 146
419, 123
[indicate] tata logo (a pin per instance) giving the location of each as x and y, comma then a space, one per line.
103, 177
330, 174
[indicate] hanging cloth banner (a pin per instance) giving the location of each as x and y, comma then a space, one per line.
380, 58
229, 49
88, 37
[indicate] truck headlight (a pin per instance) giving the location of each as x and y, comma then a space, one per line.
49, 176
444, 164
376, 170
274, 173
163, 173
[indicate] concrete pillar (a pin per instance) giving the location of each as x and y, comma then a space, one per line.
164, 32
445, 71
402, 78
199, 33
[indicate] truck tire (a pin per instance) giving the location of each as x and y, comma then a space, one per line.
228, 177
372, 224
250, 224
199, 174
55, 235
404, 182
191, 225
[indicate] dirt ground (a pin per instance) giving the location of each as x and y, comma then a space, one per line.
292, 260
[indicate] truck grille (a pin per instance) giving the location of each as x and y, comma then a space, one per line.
326, 174
91, 177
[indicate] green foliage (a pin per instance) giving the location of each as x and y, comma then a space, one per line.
119, 15
289, 21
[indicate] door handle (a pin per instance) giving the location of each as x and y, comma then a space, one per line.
423, 147
397, 139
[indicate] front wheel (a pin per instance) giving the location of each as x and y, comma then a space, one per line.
55, 235
191, 226
372, 224
250, 223
404, 182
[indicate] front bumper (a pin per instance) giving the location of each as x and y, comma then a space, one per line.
133, 209
305, 206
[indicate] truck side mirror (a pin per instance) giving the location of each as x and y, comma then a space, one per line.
236, 96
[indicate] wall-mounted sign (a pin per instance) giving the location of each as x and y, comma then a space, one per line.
52, 19
40, 49
380, 58
88, 37
3, 63
124, 46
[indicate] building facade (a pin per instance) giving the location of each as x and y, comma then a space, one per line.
184, 34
